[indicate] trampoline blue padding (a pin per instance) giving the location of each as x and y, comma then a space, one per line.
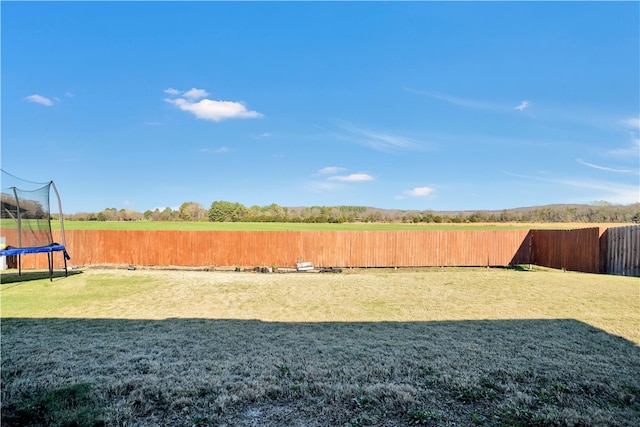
49, 249
21, 251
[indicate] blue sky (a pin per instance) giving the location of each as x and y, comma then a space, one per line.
416, 105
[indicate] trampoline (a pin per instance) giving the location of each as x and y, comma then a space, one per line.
25, 221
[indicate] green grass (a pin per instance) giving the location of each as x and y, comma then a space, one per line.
279, 226
72, 405
376, 347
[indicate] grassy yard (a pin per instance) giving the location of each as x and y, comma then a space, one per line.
486, 347
290, 226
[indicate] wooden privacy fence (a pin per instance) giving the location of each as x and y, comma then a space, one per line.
621, 252
575, 250
286, 248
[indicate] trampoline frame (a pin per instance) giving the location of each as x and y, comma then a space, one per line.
49, 250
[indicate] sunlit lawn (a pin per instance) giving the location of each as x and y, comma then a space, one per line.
292, 226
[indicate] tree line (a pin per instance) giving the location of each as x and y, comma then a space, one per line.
225, 211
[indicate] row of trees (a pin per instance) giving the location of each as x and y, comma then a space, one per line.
29, 209
225, 211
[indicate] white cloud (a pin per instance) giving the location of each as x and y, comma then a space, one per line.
354, 177
216, 111
323, 186
381, 141
470, 103
633, 122
613, 192
632, 152
330, 170
194, 94
216, 150
384, 140
208, 109
419, 192
461, 102
335, 182
38, 99
604, 168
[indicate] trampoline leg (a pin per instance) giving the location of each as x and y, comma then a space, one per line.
19, 265
65, 263
50, 260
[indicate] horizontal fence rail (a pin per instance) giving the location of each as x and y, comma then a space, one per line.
576, 250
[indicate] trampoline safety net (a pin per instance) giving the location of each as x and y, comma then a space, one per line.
25, 217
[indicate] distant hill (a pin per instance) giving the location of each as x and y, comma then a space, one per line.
596, 213
221, 211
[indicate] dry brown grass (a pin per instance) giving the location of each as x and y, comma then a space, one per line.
374, 347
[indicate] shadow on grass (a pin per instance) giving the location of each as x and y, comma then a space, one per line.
248, 372
27, 276
519, 267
